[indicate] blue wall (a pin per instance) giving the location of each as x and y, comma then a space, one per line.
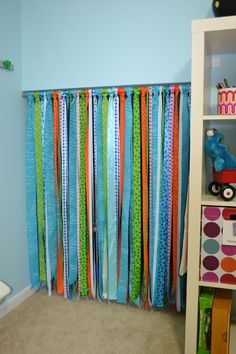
13, 244
82, 43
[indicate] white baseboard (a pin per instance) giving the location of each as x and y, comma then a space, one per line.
8, 305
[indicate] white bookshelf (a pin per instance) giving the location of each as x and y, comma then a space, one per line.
217, 285
208, 199
209, 37
217, 117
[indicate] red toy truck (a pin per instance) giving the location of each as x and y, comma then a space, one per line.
220, 184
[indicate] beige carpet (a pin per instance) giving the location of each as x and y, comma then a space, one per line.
48, 325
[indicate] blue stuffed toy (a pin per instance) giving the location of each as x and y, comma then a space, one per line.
218, 152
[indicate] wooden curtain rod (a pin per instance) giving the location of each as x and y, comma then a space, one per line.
24, 93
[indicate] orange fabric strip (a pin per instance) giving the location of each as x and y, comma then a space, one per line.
175, 188
60, 281
143, 91
121, 93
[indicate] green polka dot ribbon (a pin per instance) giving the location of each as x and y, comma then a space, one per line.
136, 222
83, 215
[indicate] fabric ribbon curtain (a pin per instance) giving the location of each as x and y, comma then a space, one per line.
106, 182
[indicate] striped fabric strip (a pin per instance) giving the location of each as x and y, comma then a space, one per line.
111, 200
39, 179
117, 166
83, 213
88, 194
105, 269
64, 157
136, 237
78, 187
122, 291
31, 194
72, 195
170, 186
104, 139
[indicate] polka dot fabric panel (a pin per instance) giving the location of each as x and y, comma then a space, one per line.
218, 261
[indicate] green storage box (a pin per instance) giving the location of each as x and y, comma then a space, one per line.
205, 314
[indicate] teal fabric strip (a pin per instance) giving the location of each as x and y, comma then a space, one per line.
101, 224
111, 201
31, 194
50, 196
178, 290
162, 240
125, 218
185, 152
72, 191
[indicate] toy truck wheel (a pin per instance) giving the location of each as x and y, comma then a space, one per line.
227, 193
214, 188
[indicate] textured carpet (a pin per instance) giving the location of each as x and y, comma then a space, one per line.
48, 325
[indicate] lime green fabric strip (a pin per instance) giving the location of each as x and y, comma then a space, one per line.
137, 235
83, 215
39, 179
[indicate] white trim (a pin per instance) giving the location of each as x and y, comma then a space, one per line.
14, 301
